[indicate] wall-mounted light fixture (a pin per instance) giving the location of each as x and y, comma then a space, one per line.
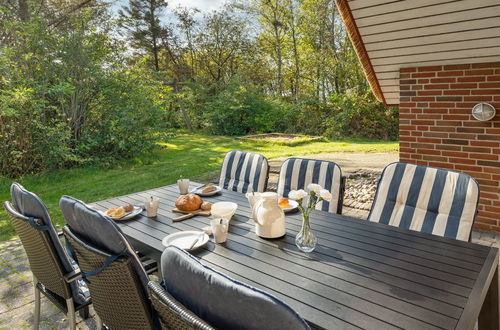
483, 111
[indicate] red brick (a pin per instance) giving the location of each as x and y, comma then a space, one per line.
430, 68
477, 149
489, 85
484, 156
457, 92
479, 72
423, 75
429, 93
493, 78
479, 225
463, 86
422, 122
408, 70
457, 67
423, 98
454, 154
469, 130
471, 79
478, 98
485, 144
443, 80
486, 65
450, 73
437, 86
485, 91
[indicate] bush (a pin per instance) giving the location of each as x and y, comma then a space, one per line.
242, 109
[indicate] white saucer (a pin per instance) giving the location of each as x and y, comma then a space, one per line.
184, 239
135, 212
292, 206
200, 193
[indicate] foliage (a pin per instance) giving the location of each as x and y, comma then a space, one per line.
66, 98
241, 109
193, 156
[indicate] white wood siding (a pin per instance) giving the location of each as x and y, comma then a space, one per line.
412, 33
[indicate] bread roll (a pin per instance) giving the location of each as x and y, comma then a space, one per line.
189, 202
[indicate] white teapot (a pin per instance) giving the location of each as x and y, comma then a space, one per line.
268, 216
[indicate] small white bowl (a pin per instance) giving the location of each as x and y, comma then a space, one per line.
224, 210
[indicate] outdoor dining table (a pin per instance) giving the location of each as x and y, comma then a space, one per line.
361, 274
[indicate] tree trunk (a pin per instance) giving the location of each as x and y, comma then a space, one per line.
295, 55
183, 110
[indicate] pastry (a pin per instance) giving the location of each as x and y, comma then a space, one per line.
115, 212
283, 202
189, 202
206, 206
128, 208
208, 189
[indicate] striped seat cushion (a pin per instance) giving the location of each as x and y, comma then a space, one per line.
244, 171
297, 173
426, 199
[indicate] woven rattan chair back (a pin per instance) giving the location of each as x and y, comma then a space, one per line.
117, 293
173, 314
42, 256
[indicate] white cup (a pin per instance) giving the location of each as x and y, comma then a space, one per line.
219, 229
183, 186
151, 206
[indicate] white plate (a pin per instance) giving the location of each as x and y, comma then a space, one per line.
184, 239
198, 191
292, 206
135, 212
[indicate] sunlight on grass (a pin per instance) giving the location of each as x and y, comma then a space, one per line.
190, 155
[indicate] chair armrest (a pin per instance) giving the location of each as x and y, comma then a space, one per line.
73, 276
172, 312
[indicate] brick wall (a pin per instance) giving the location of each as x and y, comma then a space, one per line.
437, 129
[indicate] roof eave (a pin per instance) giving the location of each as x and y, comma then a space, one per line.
359, 47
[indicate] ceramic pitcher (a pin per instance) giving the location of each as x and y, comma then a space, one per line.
269, 217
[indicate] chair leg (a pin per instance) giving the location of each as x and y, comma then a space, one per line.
98, 322
84, 312
71, 313
36, 316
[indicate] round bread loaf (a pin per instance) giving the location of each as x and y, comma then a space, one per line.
189, 202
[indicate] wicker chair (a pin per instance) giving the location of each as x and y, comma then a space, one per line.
117, 293
49, 275
115, 276
173, 314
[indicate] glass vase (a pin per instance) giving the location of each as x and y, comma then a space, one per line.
305, 240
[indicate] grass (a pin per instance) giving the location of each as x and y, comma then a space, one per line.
193, 156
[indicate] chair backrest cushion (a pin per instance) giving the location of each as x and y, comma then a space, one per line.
244, 171
30, 205
99, 231
298, 173
221, 301
426, 199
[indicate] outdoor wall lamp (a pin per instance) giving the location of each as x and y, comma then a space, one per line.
483, 111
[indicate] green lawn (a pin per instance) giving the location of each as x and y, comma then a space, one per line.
190, 155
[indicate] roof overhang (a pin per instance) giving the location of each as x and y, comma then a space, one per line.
388, 35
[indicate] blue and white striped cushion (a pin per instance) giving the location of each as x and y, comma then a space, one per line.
244, 171
426, 199
297, 173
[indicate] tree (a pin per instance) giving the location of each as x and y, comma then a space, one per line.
221, 42
141, 20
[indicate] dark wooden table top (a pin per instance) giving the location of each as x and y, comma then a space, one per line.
361, 275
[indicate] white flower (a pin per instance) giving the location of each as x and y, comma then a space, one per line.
297, 194
314, 187
325, 194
